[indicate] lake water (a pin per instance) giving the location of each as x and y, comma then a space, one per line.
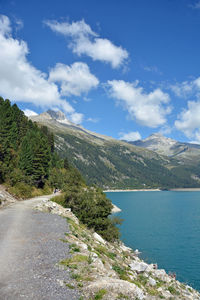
165, 226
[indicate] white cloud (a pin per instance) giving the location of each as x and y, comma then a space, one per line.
19, 79
74, 80
186, 88
148, 109
189, 120
75, 29
76, 118
93, 120
19, 24
131, 136
165, 130
85, 41
5, 27
29, 112
152, 69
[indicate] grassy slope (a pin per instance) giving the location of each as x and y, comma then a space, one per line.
111, 163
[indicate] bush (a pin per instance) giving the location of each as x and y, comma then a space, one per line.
21, 190
92, 208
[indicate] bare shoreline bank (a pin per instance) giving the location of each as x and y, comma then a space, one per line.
155, 190
134, 190
185, 190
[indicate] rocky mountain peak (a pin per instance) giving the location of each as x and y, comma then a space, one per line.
50, 115
56, 115
158, 138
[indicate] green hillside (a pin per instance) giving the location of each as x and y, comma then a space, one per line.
115, 164
29, 166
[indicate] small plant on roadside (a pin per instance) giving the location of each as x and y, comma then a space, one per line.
70, 286
122, 296
99, 295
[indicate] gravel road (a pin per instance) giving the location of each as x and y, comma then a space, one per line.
30, 247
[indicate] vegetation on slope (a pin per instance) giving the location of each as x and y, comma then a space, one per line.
119, 165
29, 166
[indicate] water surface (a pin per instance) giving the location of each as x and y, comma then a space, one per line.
165, 226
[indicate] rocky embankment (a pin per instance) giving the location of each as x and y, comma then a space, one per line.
5, 197
108, 271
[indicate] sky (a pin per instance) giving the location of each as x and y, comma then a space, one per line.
125, 69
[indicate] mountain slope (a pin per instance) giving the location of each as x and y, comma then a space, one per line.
112, 163
185, 152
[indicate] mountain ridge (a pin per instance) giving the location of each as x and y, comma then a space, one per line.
113, 163
169, 147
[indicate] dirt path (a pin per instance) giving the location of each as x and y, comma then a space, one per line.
30, 247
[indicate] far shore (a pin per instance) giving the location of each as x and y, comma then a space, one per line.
185, 190
155, 190
135, 190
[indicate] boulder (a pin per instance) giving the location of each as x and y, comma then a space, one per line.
138, 266
99, 238
115, 287
152, 281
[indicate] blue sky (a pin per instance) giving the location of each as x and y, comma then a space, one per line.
121, 68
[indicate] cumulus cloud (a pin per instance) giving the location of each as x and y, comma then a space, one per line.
74, 80
186, 88
29, 112
76, 118
148, 109
189, 120
5, 27
131, 136
19, 79
87, 42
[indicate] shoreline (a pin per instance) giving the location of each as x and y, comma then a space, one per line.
154, 190
185, 190
133, 190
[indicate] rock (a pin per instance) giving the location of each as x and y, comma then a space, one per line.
150, 268
124, 248
97, 263
152, 281
5, 197
99, 238
138, 266
166, 294
137, 252
115, 287
161, 274
83, 246
54, 208
94, 255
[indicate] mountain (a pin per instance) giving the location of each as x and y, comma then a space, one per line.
111, 163
183, 152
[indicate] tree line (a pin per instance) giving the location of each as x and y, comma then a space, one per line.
29, 166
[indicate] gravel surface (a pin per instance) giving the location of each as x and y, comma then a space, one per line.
30, 248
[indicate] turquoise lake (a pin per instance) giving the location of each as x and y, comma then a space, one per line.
165, 227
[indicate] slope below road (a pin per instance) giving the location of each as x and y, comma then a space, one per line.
30, 247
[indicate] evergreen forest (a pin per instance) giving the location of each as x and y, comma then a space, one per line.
29, 166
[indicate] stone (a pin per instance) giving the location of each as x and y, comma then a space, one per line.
138, 266
83, 246
125, 248
117, 286
152, 281
150, 268
99, 238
